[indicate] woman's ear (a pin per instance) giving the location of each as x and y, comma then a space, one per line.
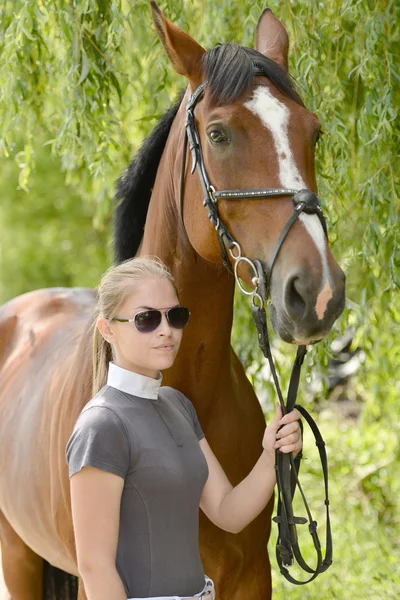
103, 325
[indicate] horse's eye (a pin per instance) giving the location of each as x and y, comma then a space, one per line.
218, 136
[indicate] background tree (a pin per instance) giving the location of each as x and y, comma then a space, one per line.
82, 82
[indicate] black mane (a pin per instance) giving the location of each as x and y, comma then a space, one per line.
229, 70
134, 188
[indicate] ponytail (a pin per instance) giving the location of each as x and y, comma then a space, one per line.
102, 355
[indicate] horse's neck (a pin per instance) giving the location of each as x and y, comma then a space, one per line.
207, 289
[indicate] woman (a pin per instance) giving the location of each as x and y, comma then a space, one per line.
139, 463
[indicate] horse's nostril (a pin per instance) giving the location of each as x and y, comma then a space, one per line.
295, 304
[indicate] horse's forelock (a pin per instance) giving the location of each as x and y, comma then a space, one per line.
229, 71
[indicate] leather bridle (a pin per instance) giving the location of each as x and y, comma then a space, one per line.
287, 468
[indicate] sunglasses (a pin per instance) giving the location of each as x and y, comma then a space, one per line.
148, 320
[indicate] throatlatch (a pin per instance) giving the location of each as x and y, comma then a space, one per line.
287, 468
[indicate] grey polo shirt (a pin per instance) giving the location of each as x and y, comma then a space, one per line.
149, 438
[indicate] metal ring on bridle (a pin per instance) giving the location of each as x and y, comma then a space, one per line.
212, 190
255, 279
239, 254
255, 297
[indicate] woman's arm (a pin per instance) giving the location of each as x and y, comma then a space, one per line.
96, 499
233, 508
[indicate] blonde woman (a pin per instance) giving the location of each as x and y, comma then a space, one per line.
139, 464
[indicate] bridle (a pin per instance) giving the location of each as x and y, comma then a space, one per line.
287, 468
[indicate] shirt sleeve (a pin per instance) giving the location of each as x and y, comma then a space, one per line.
193, 415
98, 440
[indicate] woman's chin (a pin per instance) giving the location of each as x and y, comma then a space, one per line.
165, 363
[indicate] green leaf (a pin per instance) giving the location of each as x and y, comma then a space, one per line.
85, 67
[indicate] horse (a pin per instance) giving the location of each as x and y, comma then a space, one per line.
254, 131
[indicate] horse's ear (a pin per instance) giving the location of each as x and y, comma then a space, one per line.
272, 39
184, 52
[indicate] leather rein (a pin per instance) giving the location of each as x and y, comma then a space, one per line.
286, 467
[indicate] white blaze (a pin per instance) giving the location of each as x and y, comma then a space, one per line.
275, 116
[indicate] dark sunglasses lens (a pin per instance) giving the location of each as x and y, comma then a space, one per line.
147, 321
178, 317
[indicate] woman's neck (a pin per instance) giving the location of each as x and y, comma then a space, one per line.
138, 369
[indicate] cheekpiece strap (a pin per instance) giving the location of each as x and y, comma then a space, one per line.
195, 96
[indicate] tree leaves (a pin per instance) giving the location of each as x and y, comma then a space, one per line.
85, 67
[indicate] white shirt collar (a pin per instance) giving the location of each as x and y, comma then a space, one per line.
133, 383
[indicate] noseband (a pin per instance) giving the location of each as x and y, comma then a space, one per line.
286, 467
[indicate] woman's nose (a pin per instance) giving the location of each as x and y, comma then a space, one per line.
164, 328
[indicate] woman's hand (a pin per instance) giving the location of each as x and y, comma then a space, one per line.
283, 433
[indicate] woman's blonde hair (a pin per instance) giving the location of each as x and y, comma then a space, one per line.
116, 284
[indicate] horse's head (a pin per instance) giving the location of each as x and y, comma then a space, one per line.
255, 132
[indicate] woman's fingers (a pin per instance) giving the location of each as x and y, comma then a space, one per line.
292, 438
283, 433
293, 415
296, 447
287, 429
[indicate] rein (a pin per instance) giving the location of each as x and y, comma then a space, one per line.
286, 467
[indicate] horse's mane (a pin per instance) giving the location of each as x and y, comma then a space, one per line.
135, 185
229, 72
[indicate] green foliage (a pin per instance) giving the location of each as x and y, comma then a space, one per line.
47, 236
82, 83
363, 456
364, 487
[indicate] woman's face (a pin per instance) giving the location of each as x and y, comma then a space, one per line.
146, 353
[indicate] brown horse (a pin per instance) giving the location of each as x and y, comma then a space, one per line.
255, 132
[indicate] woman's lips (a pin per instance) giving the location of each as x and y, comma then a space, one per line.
165, 348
